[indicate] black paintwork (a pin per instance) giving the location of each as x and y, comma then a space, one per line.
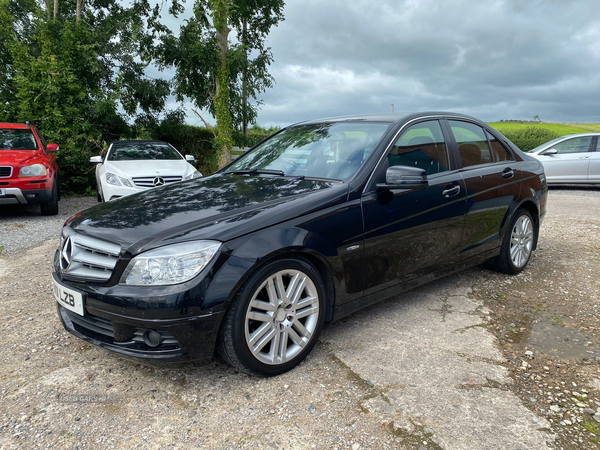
405, 237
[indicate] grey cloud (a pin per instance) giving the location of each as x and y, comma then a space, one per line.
502, 59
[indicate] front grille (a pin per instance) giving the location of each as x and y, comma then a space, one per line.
89, 258
150, 181
104, 330
5, 171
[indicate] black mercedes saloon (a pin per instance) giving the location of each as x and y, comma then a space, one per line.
314, 223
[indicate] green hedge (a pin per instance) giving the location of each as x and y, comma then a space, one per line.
530, 137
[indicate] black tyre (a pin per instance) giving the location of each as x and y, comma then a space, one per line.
517, 245
51, 208
275, 319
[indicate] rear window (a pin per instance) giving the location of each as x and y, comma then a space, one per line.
143, 151
11, 139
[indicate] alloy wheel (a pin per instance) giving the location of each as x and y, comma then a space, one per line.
521, 241
282, 316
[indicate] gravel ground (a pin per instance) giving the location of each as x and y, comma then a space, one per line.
22, 227
442, 367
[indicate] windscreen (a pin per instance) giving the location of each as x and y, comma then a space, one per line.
20, 139
143, 151
325, 150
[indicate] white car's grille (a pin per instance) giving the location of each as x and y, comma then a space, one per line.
155, 180
88, 258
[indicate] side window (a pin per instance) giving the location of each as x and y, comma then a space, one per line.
423, 146
575, 145
499, 151
472, 143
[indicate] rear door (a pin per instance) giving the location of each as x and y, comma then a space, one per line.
410, 232
571, 163
493, 183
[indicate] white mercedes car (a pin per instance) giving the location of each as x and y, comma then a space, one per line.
133, 166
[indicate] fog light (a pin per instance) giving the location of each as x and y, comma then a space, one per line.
152, 338
31, 195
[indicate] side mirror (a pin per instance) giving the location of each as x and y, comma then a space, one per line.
189, 158
52, 148
550, 151
404, 177
96, 159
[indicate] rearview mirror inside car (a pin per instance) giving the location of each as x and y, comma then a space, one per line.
96, 159
404, 177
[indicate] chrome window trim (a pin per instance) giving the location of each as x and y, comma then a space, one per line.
402, 128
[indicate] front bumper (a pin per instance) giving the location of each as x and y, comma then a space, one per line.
187, 316
112, 192
13, 196
127, 336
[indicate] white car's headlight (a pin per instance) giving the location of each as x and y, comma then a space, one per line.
116, 180
35, 170
172, 264
111, 178
194, 174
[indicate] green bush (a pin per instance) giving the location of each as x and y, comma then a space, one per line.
189, 140
529, 137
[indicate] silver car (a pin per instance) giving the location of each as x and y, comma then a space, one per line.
571, 159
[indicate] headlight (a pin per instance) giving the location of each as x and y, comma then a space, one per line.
125, 182
111, 178
35, 170
116, 180
171, 264
194, 174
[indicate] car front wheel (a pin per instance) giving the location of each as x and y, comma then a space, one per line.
517, 245
51, 208
275, 319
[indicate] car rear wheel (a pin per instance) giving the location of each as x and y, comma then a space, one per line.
517, 245
275, 319
51, 208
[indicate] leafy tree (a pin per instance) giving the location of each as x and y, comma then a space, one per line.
218, 73
76, 69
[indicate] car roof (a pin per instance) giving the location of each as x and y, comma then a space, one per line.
578, 134
15, 126
387, 117
137, 141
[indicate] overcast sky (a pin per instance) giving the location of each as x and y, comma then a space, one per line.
492, 59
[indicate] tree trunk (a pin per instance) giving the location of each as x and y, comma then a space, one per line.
49, 9
79, 10
224, 141
244, 94
55, 9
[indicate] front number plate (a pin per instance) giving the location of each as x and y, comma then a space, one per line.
68, 298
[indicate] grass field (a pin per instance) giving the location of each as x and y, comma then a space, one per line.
560, 128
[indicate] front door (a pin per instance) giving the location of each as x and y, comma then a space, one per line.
571, 163
409, 232
594, 168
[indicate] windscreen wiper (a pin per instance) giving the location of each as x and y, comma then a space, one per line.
259, 171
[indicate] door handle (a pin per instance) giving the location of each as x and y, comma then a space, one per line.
451, 191
508, 173
584, 157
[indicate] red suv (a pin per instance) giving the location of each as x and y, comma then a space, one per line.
28, 169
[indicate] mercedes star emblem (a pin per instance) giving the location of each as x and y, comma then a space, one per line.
158, 181
66, 254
